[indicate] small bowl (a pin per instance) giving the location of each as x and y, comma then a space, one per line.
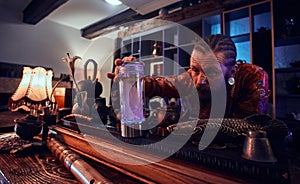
27, 130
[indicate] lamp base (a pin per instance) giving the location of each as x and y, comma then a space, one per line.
28, 127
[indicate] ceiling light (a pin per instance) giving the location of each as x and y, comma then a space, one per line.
114, 2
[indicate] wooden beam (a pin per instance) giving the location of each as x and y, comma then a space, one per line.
111, 23
101, 26
187, 11
39, 9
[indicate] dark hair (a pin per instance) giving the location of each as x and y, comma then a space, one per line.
221, 43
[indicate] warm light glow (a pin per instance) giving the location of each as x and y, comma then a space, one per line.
34, 89
59, 95
114, 2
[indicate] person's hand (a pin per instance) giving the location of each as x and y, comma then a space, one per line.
185, 81
118, 63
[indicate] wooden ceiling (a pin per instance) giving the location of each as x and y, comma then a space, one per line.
39, 9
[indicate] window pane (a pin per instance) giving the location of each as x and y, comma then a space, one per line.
211, 25
239, 26
243, 51
215, 29
262, 20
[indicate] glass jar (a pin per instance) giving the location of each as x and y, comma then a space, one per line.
131, 98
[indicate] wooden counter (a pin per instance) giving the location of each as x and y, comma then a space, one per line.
170, 170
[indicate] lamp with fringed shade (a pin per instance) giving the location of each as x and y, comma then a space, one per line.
33, 94
34, 90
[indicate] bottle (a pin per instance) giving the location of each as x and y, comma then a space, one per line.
131, 98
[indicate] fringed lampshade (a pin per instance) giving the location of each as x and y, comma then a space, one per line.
34, 90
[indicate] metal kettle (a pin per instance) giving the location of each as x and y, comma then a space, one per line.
257, 147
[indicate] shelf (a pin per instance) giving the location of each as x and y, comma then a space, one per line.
287, 70
151, 58
175, 41
186, 45
241, 38
288, 95
136, 54
287, 41
170, 48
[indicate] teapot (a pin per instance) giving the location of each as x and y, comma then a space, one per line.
91, 85
89, 89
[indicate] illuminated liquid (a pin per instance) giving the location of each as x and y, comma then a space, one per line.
131, 93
